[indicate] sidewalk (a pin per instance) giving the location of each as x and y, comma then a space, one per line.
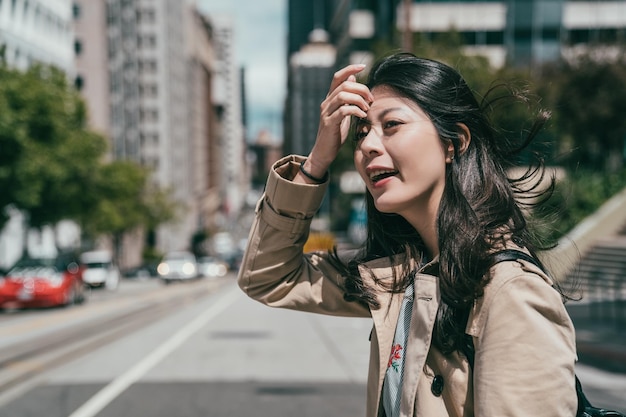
600, 334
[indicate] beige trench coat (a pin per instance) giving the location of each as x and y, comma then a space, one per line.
523, 336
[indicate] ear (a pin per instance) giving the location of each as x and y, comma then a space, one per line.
465, 137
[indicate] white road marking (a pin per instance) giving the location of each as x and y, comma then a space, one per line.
107, 394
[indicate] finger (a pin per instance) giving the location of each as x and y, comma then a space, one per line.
344, 128
335, 118
343, 74
351, 92
346, 98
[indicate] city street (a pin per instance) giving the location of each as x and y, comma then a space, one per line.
220, 355
211, 352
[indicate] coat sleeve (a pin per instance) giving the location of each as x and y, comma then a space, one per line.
274, 270
525, 349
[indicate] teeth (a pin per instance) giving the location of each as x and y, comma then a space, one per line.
378, 174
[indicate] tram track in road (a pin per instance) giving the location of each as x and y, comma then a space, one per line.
25, 360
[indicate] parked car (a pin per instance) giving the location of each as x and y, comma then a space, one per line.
178, 266
143, 271
211, 267
43, 282
100, 271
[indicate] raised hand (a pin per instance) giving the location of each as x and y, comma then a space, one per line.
346, 98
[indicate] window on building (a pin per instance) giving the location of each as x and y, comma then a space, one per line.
522, 34
494, 38
151, 15
76, 11
79, 82
550, 33
78, 47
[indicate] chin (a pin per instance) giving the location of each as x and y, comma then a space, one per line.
385, 207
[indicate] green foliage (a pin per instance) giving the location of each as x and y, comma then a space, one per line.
576, 197
589, 95
126, 200
48, 153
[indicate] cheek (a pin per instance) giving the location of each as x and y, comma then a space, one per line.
358, 165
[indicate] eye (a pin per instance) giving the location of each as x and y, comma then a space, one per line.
361, 131
360, 135
390, 124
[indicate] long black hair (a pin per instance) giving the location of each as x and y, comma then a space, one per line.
481, 207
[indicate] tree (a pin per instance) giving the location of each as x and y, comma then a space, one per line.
126, 201
590, 95
48, 153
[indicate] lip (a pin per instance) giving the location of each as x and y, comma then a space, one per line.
381, 183
374, 168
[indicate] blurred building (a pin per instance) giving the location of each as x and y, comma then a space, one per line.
262, 153
309, 75
227, 95
205, 123
523, 33
148, 69
37, 31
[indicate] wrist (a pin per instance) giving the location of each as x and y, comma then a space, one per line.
312, 173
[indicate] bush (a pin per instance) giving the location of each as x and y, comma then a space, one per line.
577, 196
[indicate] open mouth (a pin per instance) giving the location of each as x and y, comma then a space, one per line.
381, 175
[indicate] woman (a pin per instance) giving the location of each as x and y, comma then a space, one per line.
439, 205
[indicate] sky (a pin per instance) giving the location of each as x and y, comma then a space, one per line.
260, 42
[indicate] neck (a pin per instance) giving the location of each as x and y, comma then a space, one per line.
425, 223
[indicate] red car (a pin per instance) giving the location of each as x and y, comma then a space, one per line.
43, 282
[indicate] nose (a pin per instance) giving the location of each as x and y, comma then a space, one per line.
371, 143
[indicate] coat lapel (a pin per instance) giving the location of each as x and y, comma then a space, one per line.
423, 316
386, 317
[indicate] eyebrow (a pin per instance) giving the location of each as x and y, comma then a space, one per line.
381, 115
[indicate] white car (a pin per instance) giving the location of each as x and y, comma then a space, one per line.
178, 266
100, 271
212, 267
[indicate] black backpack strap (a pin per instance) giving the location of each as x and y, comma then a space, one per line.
513, 255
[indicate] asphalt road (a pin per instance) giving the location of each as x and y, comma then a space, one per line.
222, 355
218, 355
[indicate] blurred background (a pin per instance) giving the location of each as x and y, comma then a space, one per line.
144, 127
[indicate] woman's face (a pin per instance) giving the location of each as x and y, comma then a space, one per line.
400, 157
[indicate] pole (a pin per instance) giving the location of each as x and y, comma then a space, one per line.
407, 34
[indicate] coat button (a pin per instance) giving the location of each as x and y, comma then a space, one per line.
437, 386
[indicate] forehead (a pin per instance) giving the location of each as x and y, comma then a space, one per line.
387, 98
